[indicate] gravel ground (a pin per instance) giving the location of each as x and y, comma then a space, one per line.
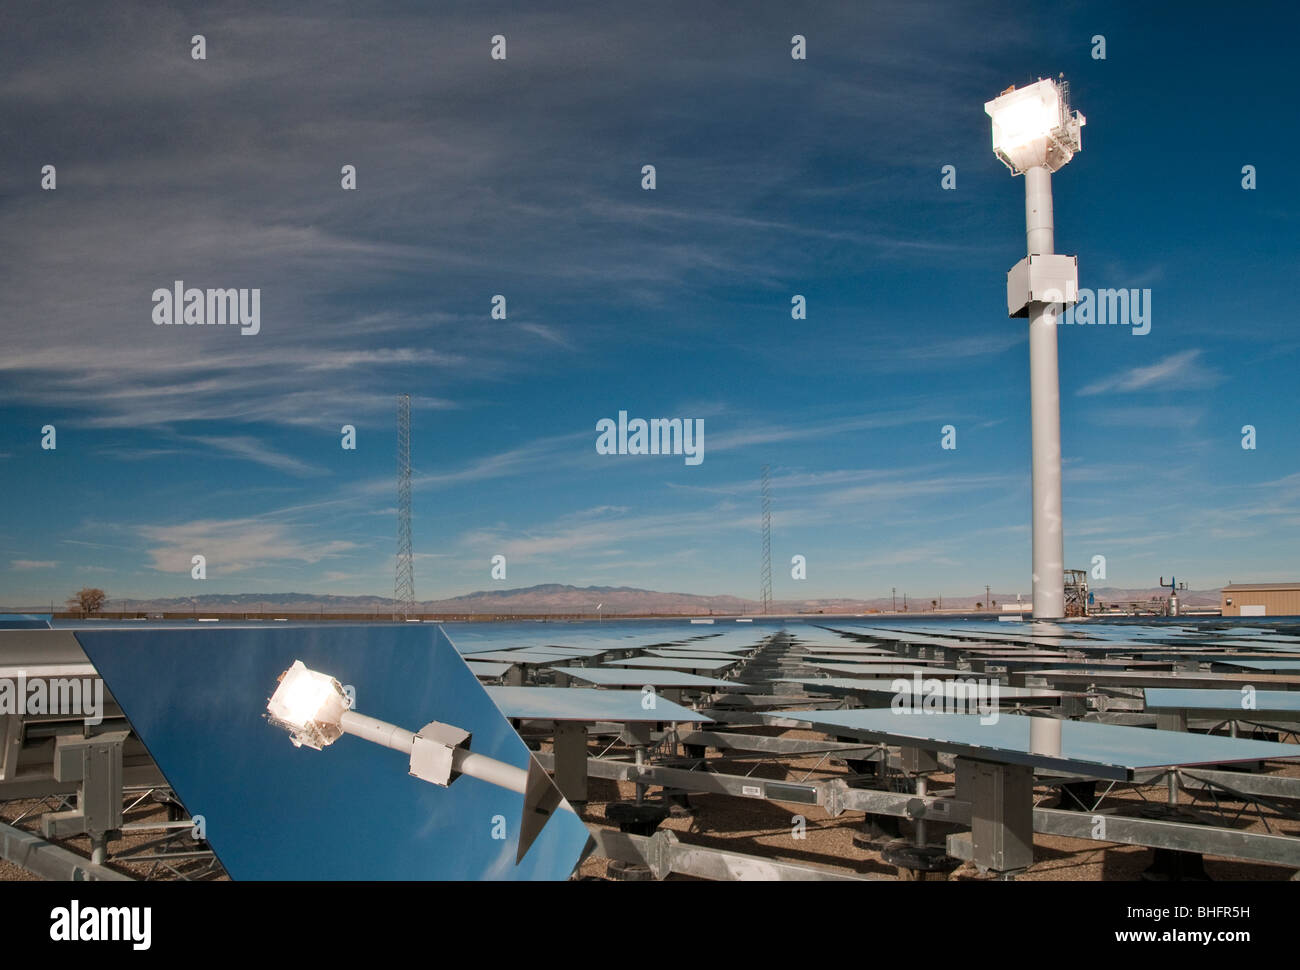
29, 810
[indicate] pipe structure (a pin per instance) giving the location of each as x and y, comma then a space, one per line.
380, 732
1045, 412
466, 762
921, 788
640, 762
490, 770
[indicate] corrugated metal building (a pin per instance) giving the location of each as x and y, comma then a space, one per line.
1261, 599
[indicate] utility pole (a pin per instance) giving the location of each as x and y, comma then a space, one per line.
893, 593
765, 576
404, 581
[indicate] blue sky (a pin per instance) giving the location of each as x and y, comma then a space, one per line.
522, 177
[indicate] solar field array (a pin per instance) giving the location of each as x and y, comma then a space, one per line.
840, 748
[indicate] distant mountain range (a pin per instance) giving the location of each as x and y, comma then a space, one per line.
613, 601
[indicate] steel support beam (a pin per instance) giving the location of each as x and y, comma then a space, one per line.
1179, 836
697, 781
37, 784
760, 743
50, 861
1267, 786
663, 853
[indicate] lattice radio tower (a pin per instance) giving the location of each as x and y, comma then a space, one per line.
765, 582
404, 584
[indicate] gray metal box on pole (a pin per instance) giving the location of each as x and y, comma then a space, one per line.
1002, 813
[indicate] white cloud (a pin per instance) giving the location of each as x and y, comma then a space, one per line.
1181, 371
250, 449
233, 545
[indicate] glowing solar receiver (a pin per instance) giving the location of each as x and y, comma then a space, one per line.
309, 705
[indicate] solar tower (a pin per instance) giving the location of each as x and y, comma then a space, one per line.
1035, 133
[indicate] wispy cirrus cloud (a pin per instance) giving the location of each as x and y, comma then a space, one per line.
1181, 371
1156, 416
251, 449
233, 545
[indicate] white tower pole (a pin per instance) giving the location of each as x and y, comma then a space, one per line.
1045, 411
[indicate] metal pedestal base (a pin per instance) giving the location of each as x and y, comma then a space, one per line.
636, 819
1174, 865
621, 871
1170, 865
920, 863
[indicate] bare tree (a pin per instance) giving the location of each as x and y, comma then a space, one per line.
88, 600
